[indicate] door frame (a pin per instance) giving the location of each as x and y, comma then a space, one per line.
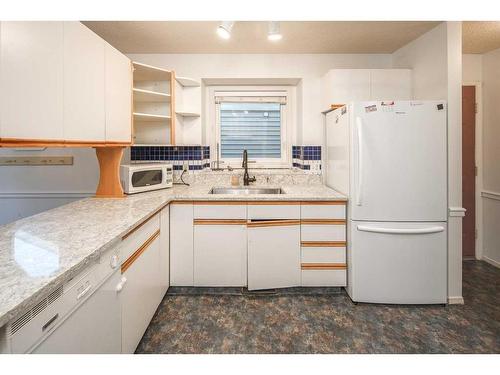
478, 155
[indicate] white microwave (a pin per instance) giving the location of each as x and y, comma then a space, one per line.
136, 178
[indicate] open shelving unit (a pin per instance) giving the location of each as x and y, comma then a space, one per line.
154, 100
187, 100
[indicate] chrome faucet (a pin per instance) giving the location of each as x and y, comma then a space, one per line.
246, 179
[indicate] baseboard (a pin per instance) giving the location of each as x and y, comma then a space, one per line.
491, 261
455, 300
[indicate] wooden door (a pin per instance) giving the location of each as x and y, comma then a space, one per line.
468, 170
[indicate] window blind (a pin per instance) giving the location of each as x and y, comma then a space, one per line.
253, 126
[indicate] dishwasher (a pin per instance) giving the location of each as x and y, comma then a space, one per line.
81, 316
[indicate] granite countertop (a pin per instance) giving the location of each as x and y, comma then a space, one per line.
40, 252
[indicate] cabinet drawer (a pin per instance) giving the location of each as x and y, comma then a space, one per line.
138, 236
323, 255
220, 211
336, 210
273, 211
324, 277
328, 232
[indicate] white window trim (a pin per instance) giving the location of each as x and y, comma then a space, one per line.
286, 123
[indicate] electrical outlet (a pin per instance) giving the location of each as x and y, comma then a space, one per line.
185, 166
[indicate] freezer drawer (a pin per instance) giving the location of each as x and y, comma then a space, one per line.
394, 262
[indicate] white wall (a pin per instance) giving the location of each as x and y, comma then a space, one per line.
26, 190
491, 157
472, 68
308, 67
436, 60
427, 56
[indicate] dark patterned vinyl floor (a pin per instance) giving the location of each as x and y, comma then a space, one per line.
326, 321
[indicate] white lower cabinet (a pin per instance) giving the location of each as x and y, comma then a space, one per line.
165, 249
220, 252
273, 254
140, 294
181, 244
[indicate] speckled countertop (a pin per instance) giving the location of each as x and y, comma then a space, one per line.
40, 252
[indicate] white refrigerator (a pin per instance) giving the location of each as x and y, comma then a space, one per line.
390, 158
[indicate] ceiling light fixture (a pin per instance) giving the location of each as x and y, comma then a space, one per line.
224, 29
274, 31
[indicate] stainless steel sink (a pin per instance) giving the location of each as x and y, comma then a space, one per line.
245, 190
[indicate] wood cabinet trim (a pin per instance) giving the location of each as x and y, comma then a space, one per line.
219, 222
181, 202
272, 223
220, 203
172, 108
323, 266
128, 234
131, 259
323, 221
18, 142
325, 203
323, 243
273, 203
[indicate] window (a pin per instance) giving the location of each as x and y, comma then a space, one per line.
254, 121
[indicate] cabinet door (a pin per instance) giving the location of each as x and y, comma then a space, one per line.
84, 117
345, 85
140, 296
181, 244
391, 84
165, 249
220, 253
273, 255
94, 328
118, 96
31, 80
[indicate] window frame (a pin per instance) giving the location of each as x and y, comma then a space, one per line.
286, 136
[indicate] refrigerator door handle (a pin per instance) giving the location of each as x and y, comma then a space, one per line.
359, 128
433, 229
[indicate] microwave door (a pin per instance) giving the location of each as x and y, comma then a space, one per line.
146, 178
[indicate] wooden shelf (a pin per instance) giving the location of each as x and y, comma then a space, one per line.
144, 72
187, 82
145, 96
187, 114
147, 117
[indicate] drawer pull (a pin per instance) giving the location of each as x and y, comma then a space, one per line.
323, 244
323, 266
120, 285
49, 323
434, 229
139, 251
219, 222
271, 223
84, 292
322, 221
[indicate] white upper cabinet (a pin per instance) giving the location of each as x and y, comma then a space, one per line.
84, 73
61, 82
118, 96
392, 84
31, 80
340, 86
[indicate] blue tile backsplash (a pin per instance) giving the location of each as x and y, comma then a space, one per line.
307, 158
197, 157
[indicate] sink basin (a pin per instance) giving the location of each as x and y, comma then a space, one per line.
246, 190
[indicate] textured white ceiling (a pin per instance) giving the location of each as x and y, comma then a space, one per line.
251, 36
480, 37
